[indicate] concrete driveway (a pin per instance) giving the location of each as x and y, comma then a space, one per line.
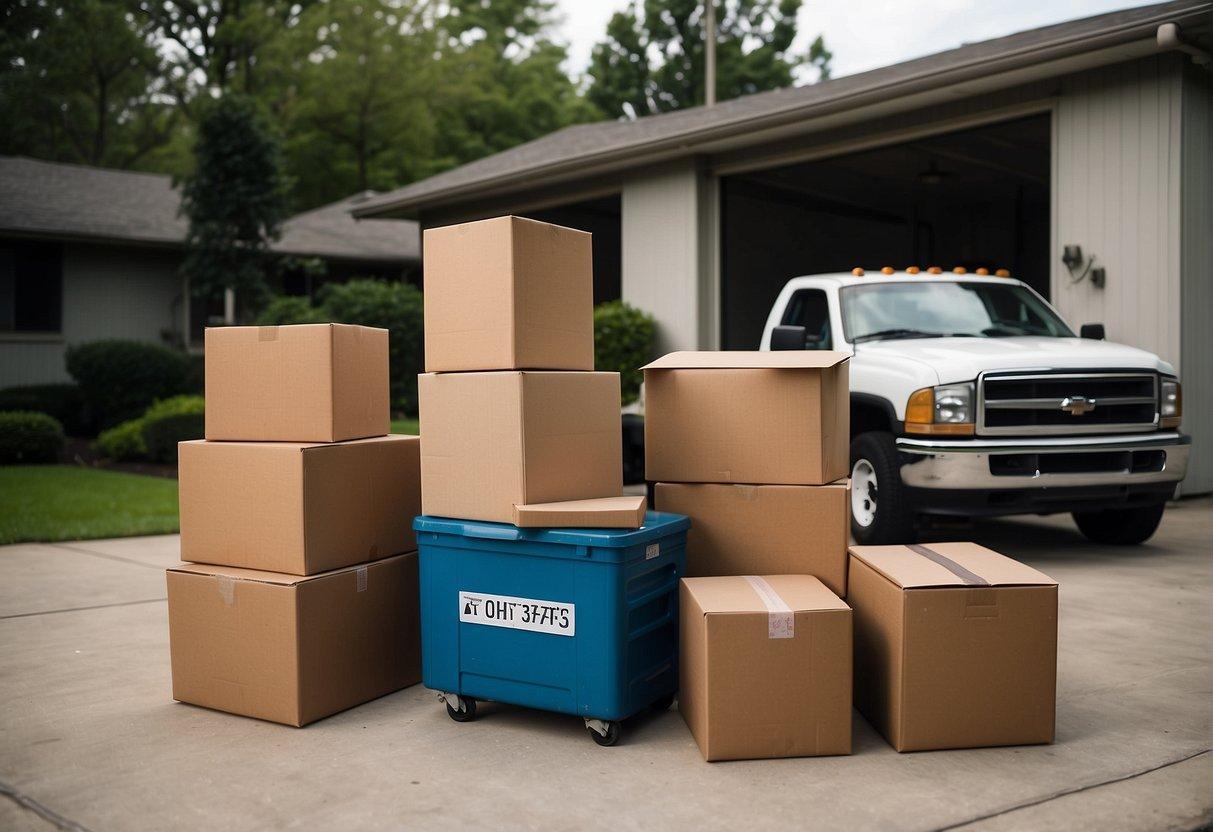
90, 738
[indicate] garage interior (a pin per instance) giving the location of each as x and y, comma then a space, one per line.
972, 198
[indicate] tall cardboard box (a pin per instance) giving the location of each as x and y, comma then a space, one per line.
304, 383
293, 649
747, 417
764, 529
498, 440
955, 646
298, 508
508, 294
765, 667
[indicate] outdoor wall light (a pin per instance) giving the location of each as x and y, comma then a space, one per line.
1072, 257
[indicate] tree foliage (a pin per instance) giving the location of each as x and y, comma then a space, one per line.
652, 59
235, 201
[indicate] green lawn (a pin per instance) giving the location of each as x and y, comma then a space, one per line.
65, 502
408, 426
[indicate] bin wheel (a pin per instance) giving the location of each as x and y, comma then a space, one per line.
466, 711
663, 704
610, 738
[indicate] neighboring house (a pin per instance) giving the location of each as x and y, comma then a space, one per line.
1091, 133
89, 253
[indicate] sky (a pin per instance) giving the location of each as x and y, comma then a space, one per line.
866, 34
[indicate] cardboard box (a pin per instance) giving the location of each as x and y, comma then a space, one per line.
955, 646
295, 507
764, 529
508, 294
747, 417
497, 440
293, 649
306, 383
765, 667
626, 512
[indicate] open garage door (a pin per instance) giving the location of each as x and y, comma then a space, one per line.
973, 198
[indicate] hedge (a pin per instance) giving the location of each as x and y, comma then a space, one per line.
27, 437
65, 402
623, 343
120, 379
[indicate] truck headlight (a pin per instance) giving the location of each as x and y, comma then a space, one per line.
946, 409
1170, 403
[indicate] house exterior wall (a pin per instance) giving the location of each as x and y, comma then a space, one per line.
108, 292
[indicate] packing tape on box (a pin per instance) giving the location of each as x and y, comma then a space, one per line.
227, 588
781, 621
267, 333
969, 578
362, 579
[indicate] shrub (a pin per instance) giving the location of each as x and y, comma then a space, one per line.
119, 379
171, 421
289, 309
623, 343
26, 436
123, 442
397, 307
64, 402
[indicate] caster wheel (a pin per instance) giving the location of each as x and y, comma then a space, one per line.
611, 737
466, 712
663, 704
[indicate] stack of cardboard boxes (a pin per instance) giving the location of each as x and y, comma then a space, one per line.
518, 427
299, 595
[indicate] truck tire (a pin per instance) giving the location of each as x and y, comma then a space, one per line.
1120, 526
880, 509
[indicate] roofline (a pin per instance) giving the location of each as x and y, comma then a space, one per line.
1107, 44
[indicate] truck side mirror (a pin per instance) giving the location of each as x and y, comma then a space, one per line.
1093, 331
788, 338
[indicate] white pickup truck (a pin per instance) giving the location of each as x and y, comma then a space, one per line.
970, 396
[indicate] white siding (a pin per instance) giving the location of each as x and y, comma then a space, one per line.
108, 292
665, 264
1196, 268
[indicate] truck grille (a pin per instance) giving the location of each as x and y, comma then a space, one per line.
1066, 403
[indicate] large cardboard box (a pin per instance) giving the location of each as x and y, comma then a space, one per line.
497, 440
293, 649
305, 383
508, 293
955, 646
295, 507
765, 667
764, 529
747, 417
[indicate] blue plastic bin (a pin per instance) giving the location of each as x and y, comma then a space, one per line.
578, 621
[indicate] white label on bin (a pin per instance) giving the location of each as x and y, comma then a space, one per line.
518, 613
652, 550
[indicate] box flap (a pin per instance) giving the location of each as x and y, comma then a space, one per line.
236, 573
624, 512
948, 564
736, 594
746, 359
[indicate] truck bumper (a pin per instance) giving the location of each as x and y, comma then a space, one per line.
1043, 475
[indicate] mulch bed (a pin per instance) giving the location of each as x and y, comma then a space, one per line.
80, 452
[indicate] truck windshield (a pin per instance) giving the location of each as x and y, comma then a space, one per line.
925, 309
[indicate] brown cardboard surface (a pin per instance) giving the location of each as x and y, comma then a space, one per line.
747, 695
941, 663
508, 293
747, 417
302, 383
764, 529
295, 650
625, 512
298, 508
499, 439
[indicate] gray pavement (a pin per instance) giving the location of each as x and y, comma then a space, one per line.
90, 738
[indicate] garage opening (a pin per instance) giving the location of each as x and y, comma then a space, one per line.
971, 198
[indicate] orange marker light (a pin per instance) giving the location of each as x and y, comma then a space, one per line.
912, 270
886, 270
935, 270
958, 270
1002, 273
858, 272
982, 271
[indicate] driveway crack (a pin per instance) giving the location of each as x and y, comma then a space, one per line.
40, 809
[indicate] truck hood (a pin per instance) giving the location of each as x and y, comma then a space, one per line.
962, 359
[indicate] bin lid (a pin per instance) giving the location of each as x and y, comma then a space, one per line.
657, 524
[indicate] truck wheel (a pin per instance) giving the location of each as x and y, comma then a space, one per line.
1120, 526
880, 511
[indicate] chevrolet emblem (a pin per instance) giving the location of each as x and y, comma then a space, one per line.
1077, 405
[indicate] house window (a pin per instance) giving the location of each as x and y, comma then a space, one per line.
31, 288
